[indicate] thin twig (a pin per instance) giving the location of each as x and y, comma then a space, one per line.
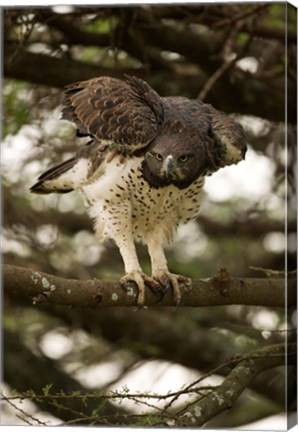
24, 414
240, 16
214, 77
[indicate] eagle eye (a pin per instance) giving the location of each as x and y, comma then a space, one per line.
158, 156
183, 158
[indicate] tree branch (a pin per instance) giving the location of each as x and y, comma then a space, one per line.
19, 212
146, 36
77, 36
223, 397
21, 64
219, 290
271, 32
39, 372
48, 70
70, 29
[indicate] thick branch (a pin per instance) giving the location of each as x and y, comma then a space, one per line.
145, 36
21, 64
77, 36
235, 383
270, 32
45, 69
73, 33
95, 293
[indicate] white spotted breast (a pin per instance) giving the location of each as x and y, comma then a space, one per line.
122, 198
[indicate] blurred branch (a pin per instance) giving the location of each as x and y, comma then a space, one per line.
25, 369
74, 35
175, 337
19, 211
223, 396
240, 16
209, 400
49, 70
228, 58
21, 64
178, 337
71, 222
150, 34
248, 409
278, 33
77, 36
219, 290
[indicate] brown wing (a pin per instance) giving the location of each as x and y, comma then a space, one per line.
229, 135
192, 111
225, 138
127, 113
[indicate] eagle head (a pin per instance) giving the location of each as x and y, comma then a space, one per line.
175, 159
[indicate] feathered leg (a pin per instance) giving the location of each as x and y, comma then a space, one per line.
119, 229
160, 270
133, 270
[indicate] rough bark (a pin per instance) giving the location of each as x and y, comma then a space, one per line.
223, 396
219, 290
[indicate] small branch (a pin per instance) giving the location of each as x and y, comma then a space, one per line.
219, 290
213, 78
24, 416
240, 16
228, 60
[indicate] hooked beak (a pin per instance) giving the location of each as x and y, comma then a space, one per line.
168, 166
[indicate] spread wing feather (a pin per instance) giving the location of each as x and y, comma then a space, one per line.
125, 116
228, 134
126, 113
40, 186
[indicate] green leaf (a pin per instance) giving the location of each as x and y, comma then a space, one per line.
46, 389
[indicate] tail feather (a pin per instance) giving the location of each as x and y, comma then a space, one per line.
46, 182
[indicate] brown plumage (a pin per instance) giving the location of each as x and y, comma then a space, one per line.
143, 169
125, 112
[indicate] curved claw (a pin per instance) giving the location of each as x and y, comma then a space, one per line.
161, 282
162, 291
140, 279
161, 294
175, 282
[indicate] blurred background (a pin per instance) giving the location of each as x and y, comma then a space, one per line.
231, 55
